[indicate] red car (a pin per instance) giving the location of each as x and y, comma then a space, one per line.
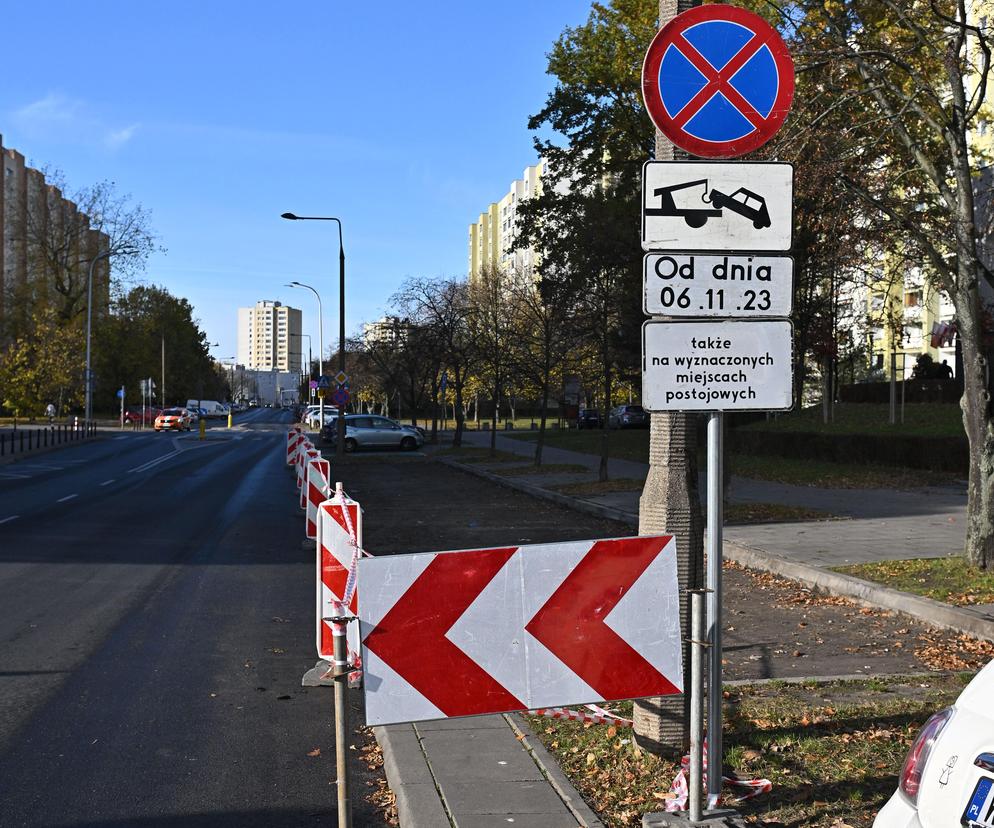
136, 415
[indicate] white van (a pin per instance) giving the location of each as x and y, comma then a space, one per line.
212, 408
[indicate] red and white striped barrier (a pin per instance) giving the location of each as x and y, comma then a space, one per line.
293, 438
317, 490
306, 453
339, 546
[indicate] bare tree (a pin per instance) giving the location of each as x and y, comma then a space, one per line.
64, 236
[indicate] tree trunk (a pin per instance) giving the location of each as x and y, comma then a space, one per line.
975, 402
434, 410
493, 430
540, 442
457, 413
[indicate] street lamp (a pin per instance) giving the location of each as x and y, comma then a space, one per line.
340, 448
320, 344
310, 359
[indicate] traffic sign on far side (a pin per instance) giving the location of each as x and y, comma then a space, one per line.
681, 284
733, 206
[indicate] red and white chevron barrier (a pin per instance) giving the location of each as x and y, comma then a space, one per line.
293, 438
519, 628
316, 491
339, 536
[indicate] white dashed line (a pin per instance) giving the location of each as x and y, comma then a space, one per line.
67, 497
8, 520
107, 482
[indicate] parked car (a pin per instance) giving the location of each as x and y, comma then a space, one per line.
173, 419
948, 777
137, 415
589, 418
628, 416
373, 431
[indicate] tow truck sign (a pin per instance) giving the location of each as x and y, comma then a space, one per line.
737, 206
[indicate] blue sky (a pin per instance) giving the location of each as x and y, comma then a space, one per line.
404, 119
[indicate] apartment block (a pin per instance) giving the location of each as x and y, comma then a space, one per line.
34, 215
492, 236
268, 337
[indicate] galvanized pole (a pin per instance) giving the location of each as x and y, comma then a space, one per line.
714, 527
697, 645
339, 626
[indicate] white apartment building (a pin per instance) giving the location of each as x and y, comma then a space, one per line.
492, 235
269, 337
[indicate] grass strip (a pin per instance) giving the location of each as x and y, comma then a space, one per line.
547, 468
592, 488
832, 750
740, 514
950, 580
829, 475
920, 420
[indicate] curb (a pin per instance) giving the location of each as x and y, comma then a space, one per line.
419, 802
866, 593
594, 509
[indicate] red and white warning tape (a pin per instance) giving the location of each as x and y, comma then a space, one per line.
598, 716
680, 789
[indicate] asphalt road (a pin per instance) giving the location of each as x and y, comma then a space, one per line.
156, 616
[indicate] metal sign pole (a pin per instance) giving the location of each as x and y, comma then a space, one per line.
339, 626
714, 526
697, 644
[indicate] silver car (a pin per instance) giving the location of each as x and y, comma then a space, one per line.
374, 431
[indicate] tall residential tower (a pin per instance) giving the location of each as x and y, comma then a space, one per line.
269, 337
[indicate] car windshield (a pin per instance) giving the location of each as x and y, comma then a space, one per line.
172, 412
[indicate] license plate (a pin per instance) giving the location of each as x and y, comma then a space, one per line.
980, 811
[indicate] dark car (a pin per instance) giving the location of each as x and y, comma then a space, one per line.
589, 418
628, 416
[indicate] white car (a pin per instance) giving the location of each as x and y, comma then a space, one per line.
948, 777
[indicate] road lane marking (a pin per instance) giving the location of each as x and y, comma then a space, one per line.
107, 482
8, 520
151, 463
67, 497
12, 476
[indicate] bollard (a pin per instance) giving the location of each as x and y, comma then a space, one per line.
46, 438
3, 444
340, 625
22, 442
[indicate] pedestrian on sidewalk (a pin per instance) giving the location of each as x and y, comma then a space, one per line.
50, 413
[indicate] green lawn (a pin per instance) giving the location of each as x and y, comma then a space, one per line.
629, 444
949, 580
920, 419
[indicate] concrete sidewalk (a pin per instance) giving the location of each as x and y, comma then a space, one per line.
478, 772
881, 524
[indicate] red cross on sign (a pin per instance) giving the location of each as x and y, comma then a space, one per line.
718, 81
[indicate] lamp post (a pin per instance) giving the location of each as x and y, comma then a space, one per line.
88, 407
320, 344
310, 359
340, 447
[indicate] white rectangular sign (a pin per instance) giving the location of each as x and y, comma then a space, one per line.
704, 205
682, 284
740, 365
